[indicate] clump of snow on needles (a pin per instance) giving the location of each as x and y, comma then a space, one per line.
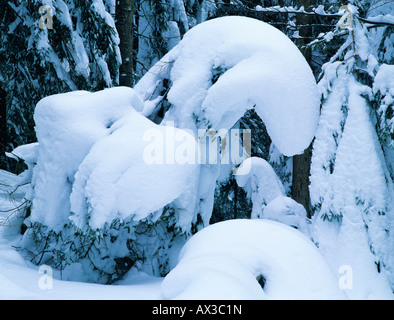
91, 161
67, 126
117, 178
259, 180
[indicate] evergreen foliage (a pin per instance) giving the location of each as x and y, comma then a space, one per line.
353, 144
70, 45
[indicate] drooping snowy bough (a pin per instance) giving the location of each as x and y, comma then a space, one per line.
118, 178
221, 69
225, 66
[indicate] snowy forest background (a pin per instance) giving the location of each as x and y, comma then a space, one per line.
338, 193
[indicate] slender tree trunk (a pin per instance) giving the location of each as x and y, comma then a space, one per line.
301, 172
124, 15
302, 163
3, 128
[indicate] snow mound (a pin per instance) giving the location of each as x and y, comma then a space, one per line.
225, 66
100, 160
118, 178
224, 261
266, 191
67, 126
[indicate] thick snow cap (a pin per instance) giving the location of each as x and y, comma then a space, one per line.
225, 66
67, 126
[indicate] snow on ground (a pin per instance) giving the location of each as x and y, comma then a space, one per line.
20, 279
230, 263
220, 262
223, 261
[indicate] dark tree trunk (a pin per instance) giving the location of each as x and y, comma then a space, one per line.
302, 163
3, 128
301, 172
125, 25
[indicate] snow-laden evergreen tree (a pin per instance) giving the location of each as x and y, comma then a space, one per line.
156, 37
351, 189
382, 101
50, 47
212, 74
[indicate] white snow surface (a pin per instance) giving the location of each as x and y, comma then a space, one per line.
384, 80
19, 280
223, 260
259, 67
